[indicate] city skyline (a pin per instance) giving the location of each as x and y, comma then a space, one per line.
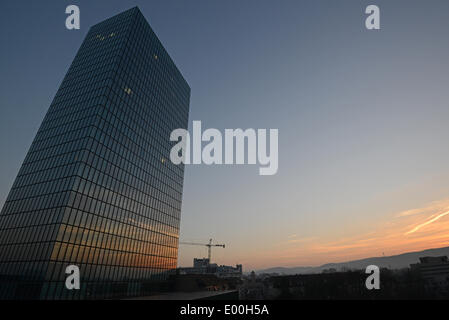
361, 118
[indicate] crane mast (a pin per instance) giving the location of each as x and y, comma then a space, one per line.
208, 245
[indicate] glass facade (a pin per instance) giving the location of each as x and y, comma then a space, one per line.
97, 188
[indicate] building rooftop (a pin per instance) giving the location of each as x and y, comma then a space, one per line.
228, 294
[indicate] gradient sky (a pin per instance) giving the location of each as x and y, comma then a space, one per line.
362, 117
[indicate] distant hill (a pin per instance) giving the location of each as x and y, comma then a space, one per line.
392, 262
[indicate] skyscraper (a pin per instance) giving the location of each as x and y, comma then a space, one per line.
96, 188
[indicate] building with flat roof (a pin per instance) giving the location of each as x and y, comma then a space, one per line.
434, 270
203, 266
96, 188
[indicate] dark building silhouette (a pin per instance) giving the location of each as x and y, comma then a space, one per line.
203, 266
435, 272
96, 188
348, 285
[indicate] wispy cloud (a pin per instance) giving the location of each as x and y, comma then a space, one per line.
393, 236
427, 222
439, 205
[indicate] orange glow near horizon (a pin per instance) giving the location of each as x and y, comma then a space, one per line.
412, 230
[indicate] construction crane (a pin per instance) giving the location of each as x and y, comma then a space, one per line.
208, 245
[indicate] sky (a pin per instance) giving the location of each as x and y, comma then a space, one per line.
362, 118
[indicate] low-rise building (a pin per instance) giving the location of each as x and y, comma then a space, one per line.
203, 266
434, 270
